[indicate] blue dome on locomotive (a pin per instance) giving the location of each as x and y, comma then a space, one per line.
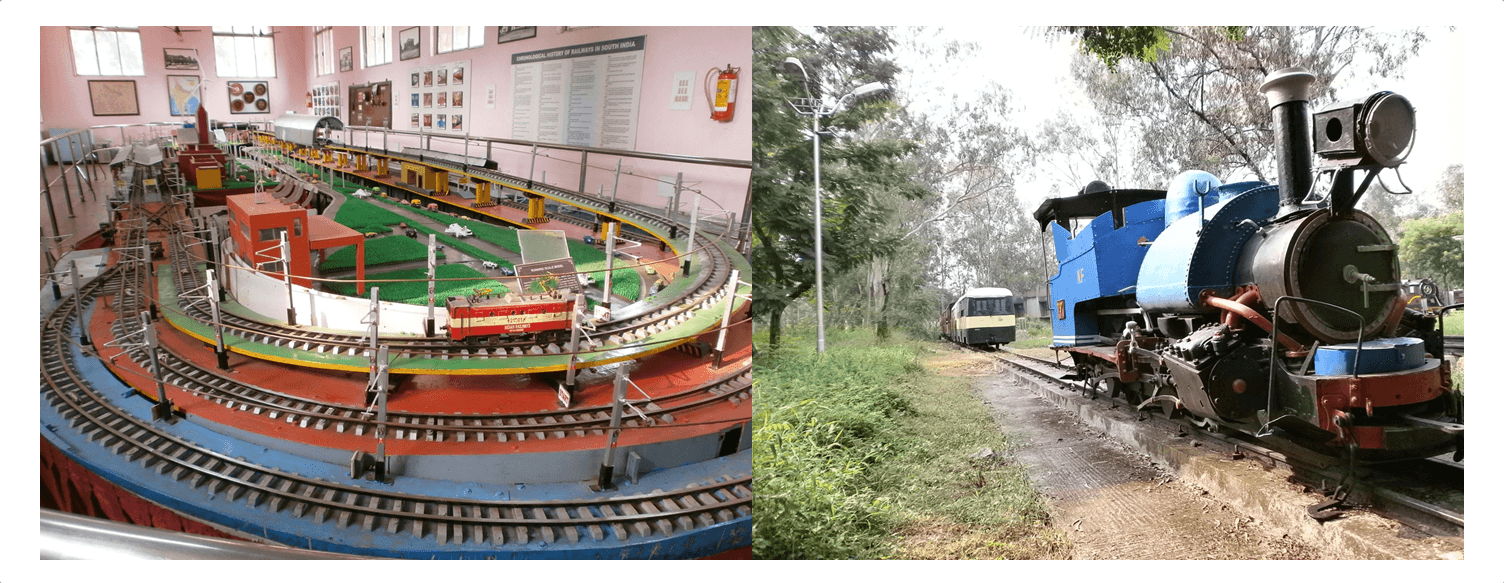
1199, 251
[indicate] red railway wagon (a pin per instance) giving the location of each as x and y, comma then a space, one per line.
475, 317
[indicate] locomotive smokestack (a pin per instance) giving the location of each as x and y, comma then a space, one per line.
1289, 93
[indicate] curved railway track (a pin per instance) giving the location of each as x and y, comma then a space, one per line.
450, 521
707, 290
1395, 489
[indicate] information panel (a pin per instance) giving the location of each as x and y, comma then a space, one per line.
438, 97
581, 95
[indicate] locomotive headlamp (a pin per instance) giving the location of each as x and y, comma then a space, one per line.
1379, 130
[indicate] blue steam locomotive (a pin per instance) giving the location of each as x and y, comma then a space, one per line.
1274, 310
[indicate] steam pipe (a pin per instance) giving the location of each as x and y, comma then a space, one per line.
1289, 94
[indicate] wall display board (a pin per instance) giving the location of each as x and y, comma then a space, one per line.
183, 94
114, 97
439, 97
581, 95
371, 105
324, 99
249, 97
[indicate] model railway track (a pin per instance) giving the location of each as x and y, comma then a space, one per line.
450, 521
1395, 489
708, 289
440, 427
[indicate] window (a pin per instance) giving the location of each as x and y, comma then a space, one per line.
376, 43
107, 50
457, 38
297, 227
273, 234
244, 51
323, 49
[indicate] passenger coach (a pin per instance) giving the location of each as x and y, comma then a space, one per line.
981, 317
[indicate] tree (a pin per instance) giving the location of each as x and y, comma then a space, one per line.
858, 175
1450, 188
1195, 104
1430, 249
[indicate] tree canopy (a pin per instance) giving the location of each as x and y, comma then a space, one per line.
860, 176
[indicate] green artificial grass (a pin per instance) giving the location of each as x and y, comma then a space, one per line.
380, 251
366, 217
416, 292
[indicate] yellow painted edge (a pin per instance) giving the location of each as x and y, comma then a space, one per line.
670, 244
470, 371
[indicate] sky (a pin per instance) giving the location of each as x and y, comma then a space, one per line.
1036, 71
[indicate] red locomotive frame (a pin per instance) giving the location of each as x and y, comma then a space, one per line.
473, 317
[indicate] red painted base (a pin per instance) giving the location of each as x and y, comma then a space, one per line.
69, 487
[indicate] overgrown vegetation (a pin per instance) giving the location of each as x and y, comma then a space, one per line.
860, 448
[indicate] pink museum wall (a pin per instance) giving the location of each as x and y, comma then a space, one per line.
65, 96
659, 129
65, 102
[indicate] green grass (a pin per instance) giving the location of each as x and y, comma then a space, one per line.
861, 451
1452, 325
416, 292
625, 283
1033, 333
380, 251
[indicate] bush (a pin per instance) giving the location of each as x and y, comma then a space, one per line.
821, 423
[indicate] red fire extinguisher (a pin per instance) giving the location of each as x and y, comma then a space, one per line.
723, 103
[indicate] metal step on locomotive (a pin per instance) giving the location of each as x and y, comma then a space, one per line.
1275, 310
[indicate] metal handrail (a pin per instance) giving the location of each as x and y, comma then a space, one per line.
1274, 348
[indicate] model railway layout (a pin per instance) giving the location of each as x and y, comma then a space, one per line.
276, 442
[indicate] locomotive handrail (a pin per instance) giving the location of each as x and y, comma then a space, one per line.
1274, 337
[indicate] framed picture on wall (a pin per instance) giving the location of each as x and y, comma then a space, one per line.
114, 98
250, 97
506, 34
183, 95
181, 59
346, 59
407, 42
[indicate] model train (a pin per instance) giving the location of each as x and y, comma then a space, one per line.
490, 318
1275, 310
983, 316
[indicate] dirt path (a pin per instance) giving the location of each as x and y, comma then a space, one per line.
1110, 502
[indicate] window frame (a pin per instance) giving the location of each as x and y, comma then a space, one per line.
323, 50
367, 43
114, 31
479, 38
257, 34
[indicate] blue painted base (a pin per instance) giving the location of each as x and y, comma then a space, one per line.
283, 528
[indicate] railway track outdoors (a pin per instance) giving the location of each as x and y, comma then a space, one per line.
1422, 494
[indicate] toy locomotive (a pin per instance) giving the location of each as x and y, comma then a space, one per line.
486, 317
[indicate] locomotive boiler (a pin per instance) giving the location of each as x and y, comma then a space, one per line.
1275, 310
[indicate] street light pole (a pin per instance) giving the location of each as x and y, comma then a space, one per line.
815, 108
819, 249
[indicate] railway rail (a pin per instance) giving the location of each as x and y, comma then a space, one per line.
450, 521
1399, 490
707, 290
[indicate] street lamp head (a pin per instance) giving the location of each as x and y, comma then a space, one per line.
793, 68
868, 90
